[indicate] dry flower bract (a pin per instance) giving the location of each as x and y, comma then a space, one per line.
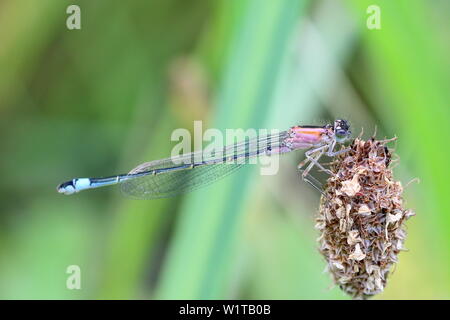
361, 219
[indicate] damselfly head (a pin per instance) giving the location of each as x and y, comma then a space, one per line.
66, 187
341, 130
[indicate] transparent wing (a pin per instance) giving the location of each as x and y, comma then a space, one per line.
181, 174
176, 182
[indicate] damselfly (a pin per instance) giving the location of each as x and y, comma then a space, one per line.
175, 175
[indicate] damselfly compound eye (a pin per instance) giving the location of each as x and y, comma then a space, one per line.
341, 134
341, 130
361, 219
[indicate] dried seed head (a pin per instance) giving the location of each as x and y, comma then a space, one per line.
361, 219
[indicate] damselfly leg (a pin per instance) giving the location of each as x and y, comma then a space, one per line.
312, 157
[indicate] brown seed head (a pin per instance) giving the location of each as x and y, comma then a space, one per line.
361, 219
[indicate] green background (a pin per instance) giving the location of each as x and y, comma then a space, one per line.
101, 100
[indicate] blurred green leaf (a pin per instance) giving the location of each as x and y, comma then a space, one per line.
202, 251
